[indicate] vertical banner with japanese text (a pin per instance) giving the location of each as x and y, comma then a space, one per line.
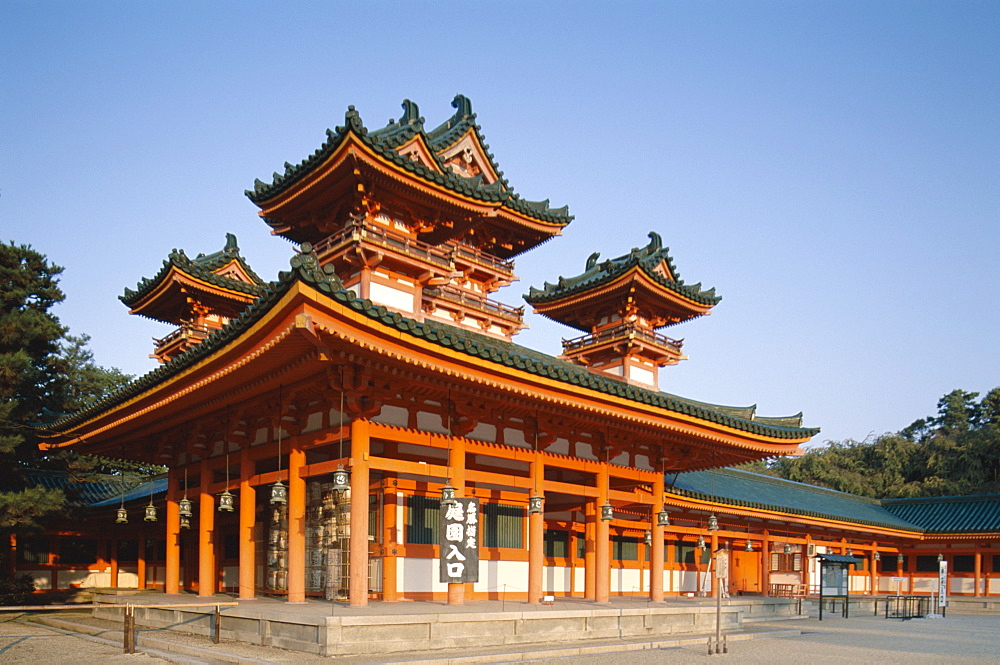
459, 540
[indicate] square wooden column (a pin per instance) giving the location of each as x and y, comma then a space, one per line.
536, 532
357, 587
296, 525
172, 575
602, 544
247, 524
206, 535
656, 551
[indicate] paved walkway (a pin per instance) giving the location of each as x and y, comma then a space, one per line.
955, 639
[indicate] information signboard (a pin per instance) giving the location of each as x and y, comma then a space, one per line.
459, 541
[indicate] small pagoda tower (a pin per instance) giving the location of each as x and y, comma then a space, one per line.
420, 221
620, 304
200, 295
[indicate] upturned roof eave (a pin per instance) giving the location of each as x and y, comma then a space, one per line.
785, 439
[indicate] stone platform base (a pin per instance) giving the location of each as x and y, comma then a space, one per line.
310, 628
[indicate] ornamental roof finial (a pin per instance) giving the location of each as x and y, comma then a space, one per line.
462, 105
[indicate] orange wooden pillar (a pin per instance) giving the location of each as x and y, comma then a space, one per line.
656, 552
456, 467
297, 525
805, 564
389, 548
172, 575
602, 558
590, 549
873, 570
765, 563
357, 587
978, 573
206, 534
141, 563
536, 532
247, 524
113, 555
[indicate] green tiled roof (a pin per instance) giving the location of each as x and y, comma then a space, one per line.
979, 512
200, 267
754, 490
646, 258
307, 269
108, 490
384, 142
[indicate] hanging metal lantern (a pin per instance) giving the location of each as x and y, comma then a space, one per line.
900, 559
701, 542
150, 513
448, 494
749, 546
647, 538
341, 479
535, 505
122, 516
663, 518
607, 512
787, 549
279, 493
184, 507
713, 523
226, 501
877, 555
850, 552
185, 523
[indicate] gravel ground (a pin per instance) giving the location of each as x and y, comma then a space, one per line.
23, 642
956, 639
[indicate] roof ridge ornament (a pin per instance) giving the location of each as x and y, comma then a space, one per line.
411, 113
462, 106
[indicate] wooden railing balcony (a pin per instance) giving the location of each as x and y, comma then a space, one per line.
359, 230
179, 341
476, 302
620, 332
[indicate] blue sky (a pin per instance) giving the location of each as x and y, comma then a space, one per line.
832, 168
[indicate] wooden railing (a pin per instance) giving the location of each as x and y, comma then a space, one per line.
357, 229
624, 330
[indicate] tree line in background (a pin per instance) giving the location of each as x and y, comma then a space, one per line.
955, 452
45, 372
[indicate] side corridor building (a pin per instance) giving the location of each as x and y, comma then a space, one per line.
313, 424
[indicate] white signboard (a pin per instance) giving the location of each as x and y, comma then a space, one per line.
722, 565
943, 584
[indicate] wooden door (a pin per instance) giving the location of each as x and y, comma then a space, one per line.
744, 573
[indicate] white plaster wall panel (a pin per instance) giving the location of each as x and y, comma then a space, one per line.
580, 581
687, 581
555, 579
419, 575
384, 294
962, 585
43, 579
502, 576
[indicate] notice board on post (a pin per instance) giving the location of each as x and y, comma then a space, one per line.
459, 541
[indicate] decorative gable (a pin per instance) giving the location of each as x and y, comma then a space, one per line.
468, 159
